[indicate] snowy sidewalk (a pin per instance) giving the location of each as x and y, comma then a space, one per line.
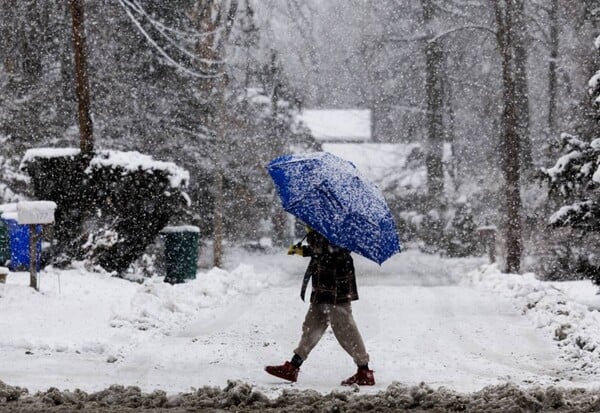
420, 319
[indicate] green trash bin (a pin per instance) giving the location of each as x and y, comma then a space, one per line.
181, 252
4, 244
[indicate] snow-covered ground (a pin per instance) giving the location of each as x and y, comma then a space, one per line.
447, 322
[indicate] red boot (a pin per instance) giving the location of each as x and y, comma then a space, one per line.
363, 377
287, 371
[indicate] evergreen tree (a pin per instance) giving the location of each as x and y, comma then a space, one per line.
574, 187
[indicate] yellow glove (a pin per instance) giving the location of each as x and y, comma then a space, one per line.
296, 249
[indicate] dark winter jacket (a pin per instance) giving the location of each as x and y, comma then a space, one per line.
332, 271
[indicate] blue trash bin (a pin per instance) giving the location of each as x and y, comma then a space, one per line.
18, 241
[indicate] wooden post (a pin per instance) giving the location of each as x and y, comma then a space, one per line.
488, 237
492, 247
33, 238
34, 213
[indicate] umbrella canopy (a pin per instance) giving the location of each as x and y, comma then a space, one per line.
331, 195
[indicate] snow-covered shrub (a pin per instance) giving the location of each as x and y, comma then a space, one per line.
13, 184
460, 232
111, 210
449, 230
57, 176
570, 255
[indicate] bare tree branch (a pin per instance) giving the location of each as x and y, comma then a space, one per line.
128, 7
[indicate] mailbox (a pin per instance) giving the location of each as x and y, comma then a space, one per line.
35, 212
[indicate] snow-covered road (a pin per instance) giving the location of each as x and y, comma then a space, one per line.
422, 320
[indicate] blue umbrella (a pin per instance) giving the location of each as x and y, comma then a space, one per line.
330, 195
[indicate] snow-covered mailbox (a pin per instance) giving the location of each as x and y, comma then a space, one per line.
36, 212
33, 214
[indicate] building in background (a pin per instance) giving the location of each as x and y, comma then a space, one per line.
338, 125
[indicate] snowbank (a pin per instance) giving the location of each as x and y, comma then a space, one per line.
166, 308
243, 397
81, 311
568, 312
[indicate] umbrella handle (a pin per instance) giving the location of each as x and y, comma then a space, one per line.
299, 244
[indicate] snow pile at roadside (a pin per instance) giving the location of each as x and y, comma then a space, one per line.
165, 307
67, 315
565, 317
79, 311
244, 398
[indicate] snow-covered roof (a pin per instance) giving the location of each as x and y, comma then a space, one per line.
389, 165
338, 125
383, 163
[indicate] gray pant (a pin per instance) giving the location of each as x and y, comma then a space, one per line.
344, 328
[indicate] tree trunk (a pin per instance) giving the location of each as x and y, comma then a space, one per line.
30, 41
65, 100
433, 88
280, 234
452, 167
81, 76
552, 82
510, 148
521, 84
218, 227
8, 38
209, 16
78, 210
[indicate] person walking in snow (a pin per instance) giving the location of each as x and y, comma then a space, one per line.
333, 289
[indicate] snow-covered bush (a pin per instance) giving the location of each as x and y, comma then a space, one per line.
449, 230
111, 210
13, 184
460, 233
